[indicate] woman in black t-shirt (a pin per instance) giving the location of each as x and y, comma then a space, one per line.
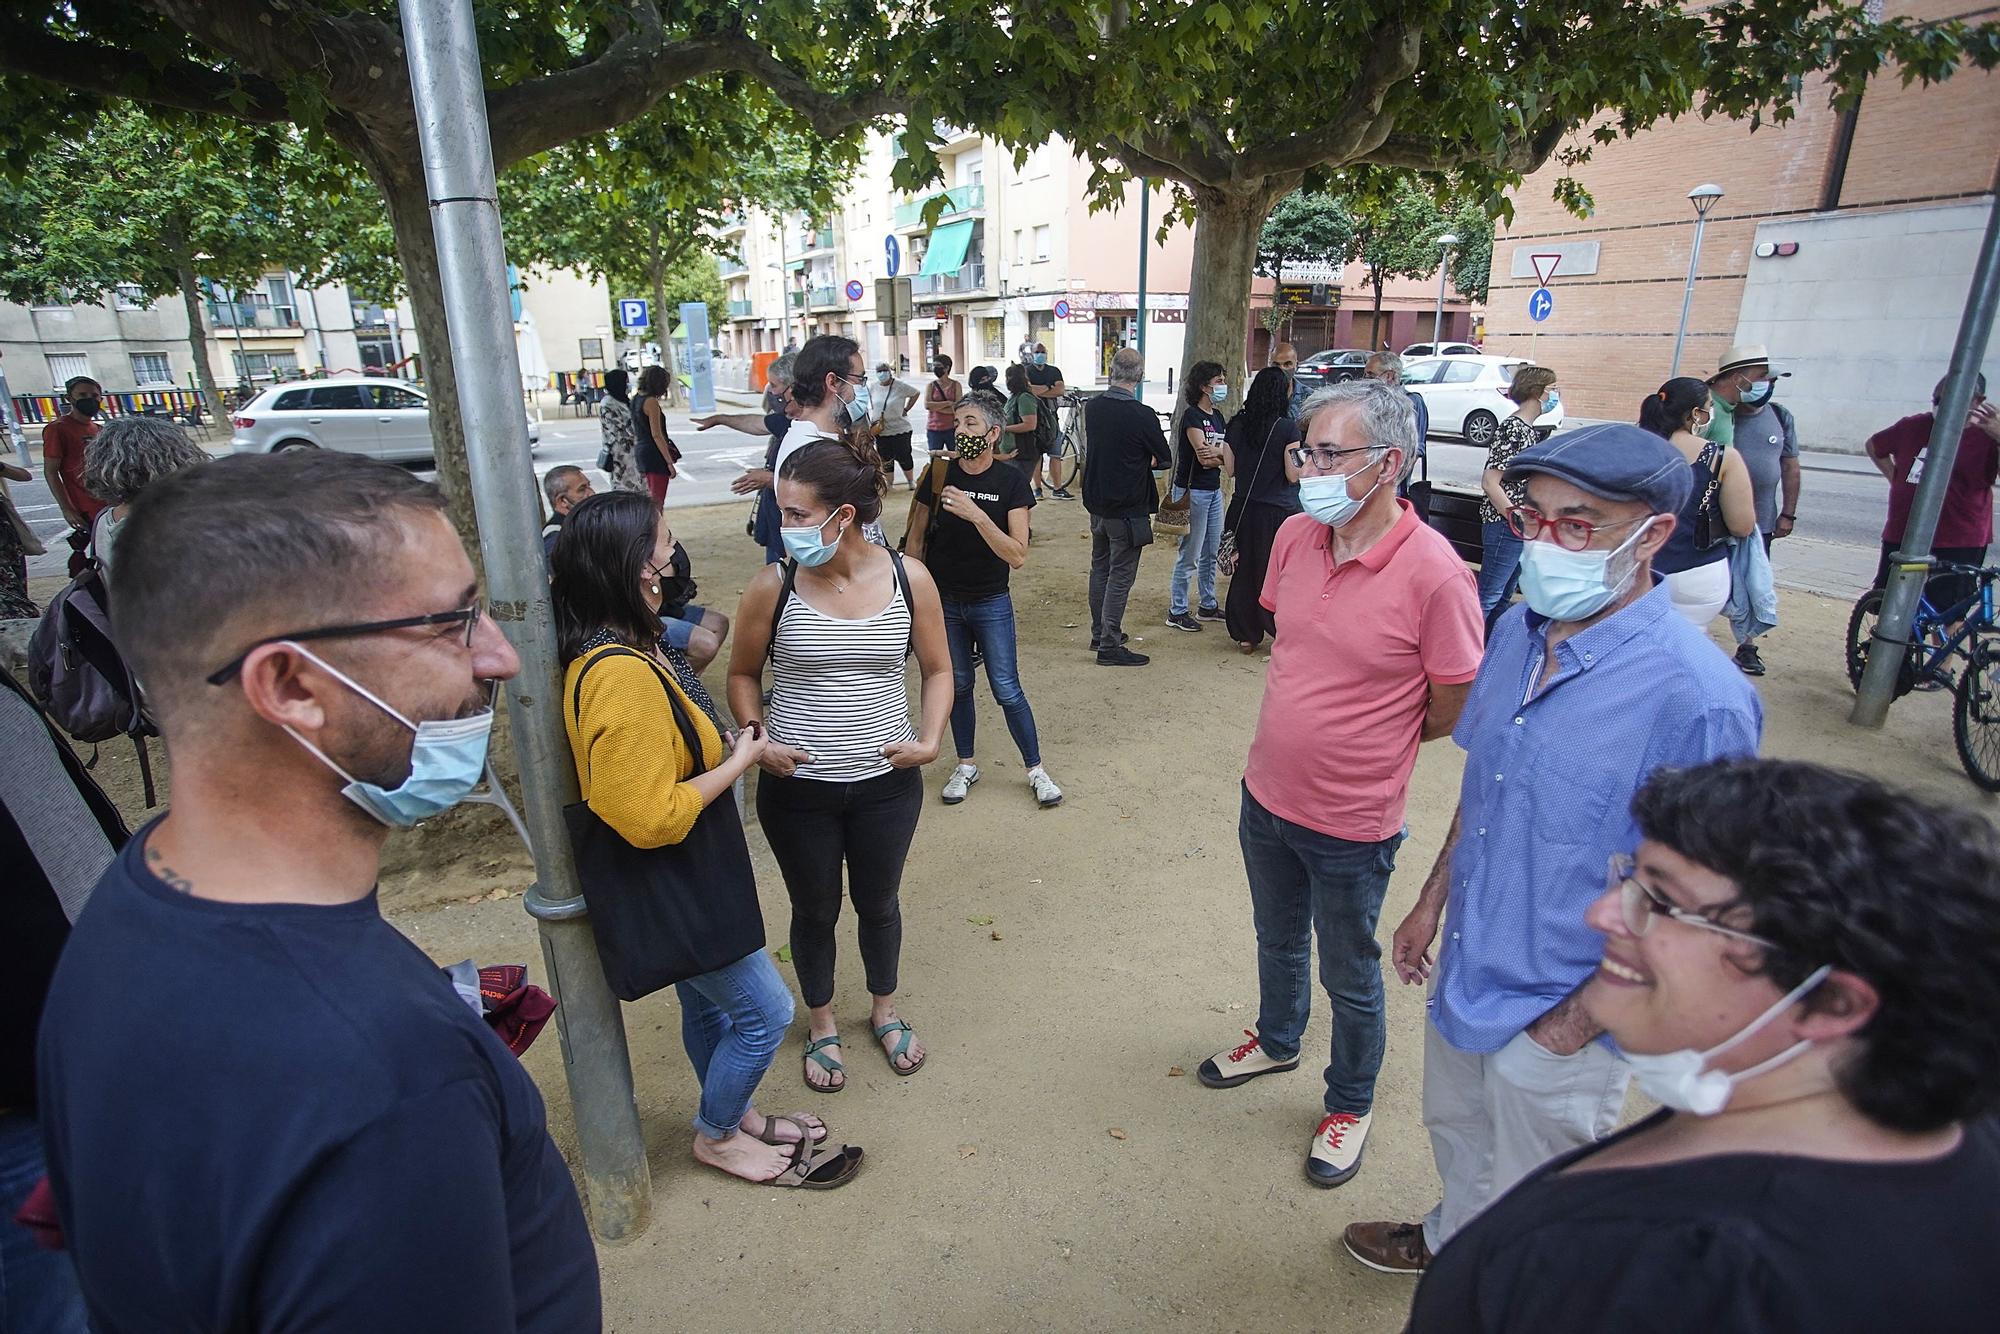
1197, 442
1804, 966
972, 535
1253, 451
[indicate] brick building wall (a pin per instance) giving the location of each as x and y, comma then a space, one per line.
1611, 334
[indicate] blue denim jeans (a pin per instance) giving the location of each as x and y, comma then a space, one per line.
38, 1288
1198, 549
1499, 566
732, 1023
1302, 882
989, 623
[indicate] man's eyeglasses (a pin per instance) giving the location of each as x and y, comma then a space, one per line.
469, 617
1324, 456
1571, 534
1640, 904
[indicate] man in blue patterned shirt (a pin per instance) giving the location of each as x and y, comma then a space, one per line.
1583, 693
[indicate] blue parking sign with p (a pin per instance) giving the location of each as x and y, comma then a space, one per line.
632, 314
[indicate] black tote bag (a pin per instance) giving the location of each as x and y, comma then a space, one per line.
663, 915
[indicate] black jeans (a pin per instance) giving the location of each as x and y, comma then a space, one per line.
813, 827
1115, 546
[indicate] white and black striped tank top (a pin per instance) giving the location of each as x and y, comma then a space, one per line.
837, 688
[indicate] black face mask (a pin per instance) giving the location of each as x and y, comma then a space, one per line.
87, 406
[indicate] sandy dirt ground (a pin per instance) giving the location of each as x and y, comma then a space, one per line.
1055, 1165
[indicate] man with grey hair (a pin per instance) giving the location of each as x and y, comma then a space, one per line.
1388, 368
1378, 640
566, 486
127, 455
1127, 447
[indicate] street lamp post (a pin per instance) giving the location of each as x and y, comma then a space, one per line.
1445, 243
1703, 198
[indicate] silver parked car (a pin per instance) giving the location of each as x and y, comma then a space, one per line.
362, 414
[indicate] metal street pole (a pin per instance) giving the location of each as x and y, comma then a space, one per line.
472, 264
1145, 227
1910, 566
1445, 243
1703, 198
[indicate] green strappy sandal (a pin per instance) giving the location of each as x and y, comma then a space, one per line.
902, 1046
826, 1063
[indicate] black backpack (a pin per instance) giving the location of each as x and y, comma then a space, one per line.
78, 675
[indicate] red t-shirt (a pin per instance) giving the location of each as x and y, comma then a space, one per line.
1967, 517
63, 442
1359, 645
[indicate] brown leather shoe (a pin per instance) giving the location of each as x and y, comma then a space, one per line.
1388, 1248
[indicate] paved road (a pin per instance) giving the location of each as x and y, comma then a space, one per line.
1834, 550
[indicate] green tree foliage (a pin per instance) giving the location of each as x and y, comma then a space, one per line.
1242, 103
555, 73
1306, 227
130, 197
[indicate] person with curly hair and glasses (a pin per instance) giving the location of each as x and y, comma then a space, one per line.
1803, 966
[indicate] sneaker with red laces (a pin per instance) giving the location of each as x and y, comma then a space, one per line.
1335, 1155
1388, 1248
1241, 1064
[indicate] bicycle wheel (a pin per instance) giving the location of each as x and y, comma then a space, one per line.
1860, 629
1064, 463
1975, 716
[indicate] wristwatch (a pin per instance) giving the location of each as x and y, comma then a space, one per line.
1793, 517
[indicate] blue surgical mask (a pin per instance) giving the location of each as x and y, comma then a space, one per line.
1327, 500
1574, 585
1041, 358
1758, 394
447, 761
808, 546
857, 408
1218, 394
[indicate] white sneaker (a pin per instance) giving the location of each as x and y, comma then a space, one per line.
1336, 1148
1047, 794
955, 787
1241, 1064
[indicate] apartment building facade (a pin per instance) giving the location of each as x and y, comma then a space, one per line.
1017, 255
1843, 241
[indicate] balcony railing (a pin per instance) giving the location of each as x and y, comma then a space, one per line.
729, 268
970, 278
733, 222
795, 299
813, 241
741, 310
825, 296
958, 199
249, 315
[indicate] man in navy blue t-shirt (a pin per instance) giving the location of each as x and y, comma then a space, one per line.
264, 1107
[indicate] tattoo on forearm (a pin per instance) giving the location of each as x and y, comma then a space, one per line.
173, 879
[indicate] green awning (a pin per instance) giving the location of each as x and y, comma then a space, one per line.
948, 246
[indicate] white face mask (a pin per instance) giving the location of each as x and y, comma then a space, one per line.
1679, 1080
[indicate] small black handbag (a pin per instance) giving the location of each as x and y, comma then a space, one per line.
663, 915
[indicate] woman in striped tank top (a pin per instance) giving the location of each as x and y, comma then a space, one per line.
840, 784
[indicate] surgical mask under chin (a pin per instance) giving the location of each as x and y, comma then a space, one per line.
1678, 1080
1757, 395
1573, 585
808, 546
447, 760
1326, 499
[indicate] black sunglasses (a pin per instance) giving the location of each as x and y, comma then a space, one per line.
469, 617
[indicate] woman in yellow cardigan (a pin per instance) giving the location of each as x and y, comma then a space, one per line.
638, 775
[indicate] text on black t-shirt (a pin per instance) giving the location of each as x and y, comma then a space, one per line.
956, 555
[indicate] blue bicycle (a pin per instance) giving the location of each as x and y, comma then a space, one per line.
1955, 648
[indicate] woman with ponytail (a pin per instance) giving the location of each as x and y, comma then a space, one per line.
1695, 559
840, 788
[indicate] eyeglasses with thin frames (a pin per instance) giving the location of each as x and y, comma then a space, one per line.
1324, 457
1640, 904
469, 617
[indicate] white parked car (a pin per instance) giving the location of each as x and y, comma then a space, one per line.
1441, 350
1467, 396
362, 414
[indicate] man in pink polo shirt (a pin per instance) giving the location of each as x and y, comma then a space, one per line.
1379, 637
